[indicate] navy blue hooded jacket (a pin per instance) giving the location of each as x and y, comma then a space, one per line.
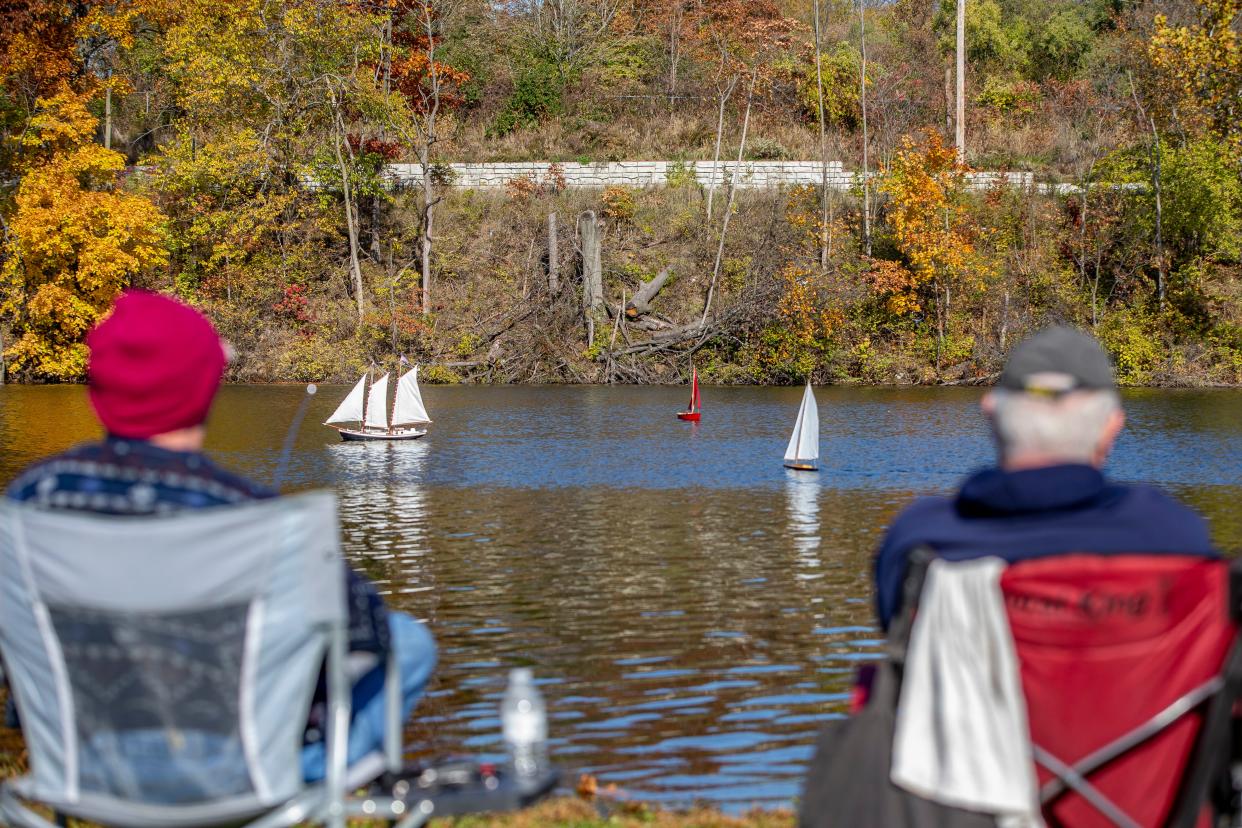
1033, 513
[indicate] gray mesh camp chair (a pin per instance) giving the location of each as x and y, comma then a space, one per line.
163, 667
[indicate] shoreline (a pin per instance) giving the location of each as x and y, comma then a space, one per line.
282, 383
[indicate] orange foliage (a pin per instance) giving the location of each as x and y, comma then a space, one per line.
424, 82
931, 228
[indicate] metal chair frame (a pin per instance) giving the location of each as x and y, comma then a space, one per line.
1210, 749
325, 802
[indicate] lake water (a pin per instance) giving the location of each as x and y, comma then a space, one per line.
693, 610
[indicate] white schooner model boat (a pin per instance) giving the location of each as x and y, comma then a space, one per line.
803, 451
370, 410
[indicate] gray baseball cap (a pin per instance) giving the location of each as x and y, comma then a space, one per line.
1058, 360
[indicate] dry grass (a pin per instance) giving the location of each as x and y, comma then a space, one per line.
577, 813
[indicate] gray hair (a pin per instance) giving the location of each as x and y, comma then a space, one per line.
1066, 428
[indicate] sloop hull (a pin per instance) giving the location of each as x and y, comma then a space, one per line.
350, 435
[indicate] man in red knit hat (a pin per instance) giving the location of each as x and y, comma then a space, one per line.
155, 366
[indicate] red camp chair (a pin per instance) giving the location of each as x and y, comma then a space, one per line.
1130, 666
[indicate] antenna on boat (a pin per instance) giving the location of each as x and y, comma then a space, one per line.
282, 465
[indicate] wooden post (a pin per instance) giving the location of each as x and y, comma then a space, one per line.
592, 272
960, 124
554, 278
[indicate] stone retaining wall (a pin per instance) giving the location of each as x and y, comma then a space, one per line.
750, 174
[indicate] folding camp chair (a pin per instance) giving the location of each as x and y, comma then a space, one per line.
163, 668
1130, 666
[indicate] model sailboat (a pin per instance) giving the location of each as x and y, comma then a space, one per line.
803, 451
369, 409
695, 411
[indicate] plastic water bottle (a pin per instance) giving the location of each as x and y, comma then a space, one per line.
524, 725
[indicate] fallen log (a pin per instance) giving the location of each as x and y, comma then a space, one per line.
640, 305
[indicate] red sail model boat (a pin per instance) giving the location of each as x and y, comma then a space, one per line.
695, 403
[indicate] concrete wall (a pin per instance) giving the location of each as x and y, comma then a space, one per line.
750, 174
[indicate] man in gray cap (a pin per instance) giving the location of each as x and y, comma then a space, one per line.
1055, 415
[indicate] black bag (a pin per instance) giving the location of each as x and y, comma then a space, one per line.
848, 783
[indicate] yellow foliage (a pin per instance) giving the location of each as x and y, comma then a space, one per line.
59, 122
73, 246
931, 225
805, 317
1204, 65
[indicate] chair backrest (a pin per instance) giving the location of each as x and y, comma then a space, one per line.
168, 661
1119, 658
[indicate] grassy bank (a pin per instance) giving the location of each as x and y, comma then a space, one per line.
576, 813
1009, 263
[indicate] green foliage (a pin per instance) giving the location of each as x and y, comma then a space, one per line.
1008, 97
767, 149
438, 375
467, 344
840, 68
538, 93
1130, 337
1202, 201
1060, 46
994, 41
681, 174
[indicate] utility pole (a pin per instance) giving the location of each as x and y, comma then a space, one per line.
862, 101
960, 138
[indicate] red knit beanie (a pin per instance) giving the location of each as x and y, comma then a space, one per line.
154, 367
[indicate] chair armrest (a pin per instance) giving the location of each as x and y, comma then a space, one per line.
394, 722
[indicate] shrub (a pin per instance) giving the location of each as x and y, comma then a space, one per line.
618, 204
767, 149
538, 92
439, 375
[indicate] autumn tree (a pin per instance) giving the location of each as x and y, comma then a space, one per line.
931, 230
74, 242
427, 88
1202, 65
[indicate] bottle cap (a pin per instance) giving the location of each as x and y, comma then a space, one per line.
521, 675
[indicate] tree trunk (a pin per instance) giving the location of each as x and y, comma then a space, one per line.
351, 217
554, 276
823, 149
429, 206
640, 305
711, 184
1004, 328
1154, 154
424, 156
724, 227
674, 41
960, 118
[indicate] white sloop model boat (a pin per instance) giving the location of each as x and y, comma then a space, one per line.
803, 451
370, 410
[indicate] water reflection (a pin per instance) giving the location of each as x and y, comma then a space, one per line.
693, 610
382, 503
802, 497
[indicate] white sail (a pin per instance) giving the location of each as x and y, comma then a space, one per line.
377, 404
408, 408
350, 409
804, 442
